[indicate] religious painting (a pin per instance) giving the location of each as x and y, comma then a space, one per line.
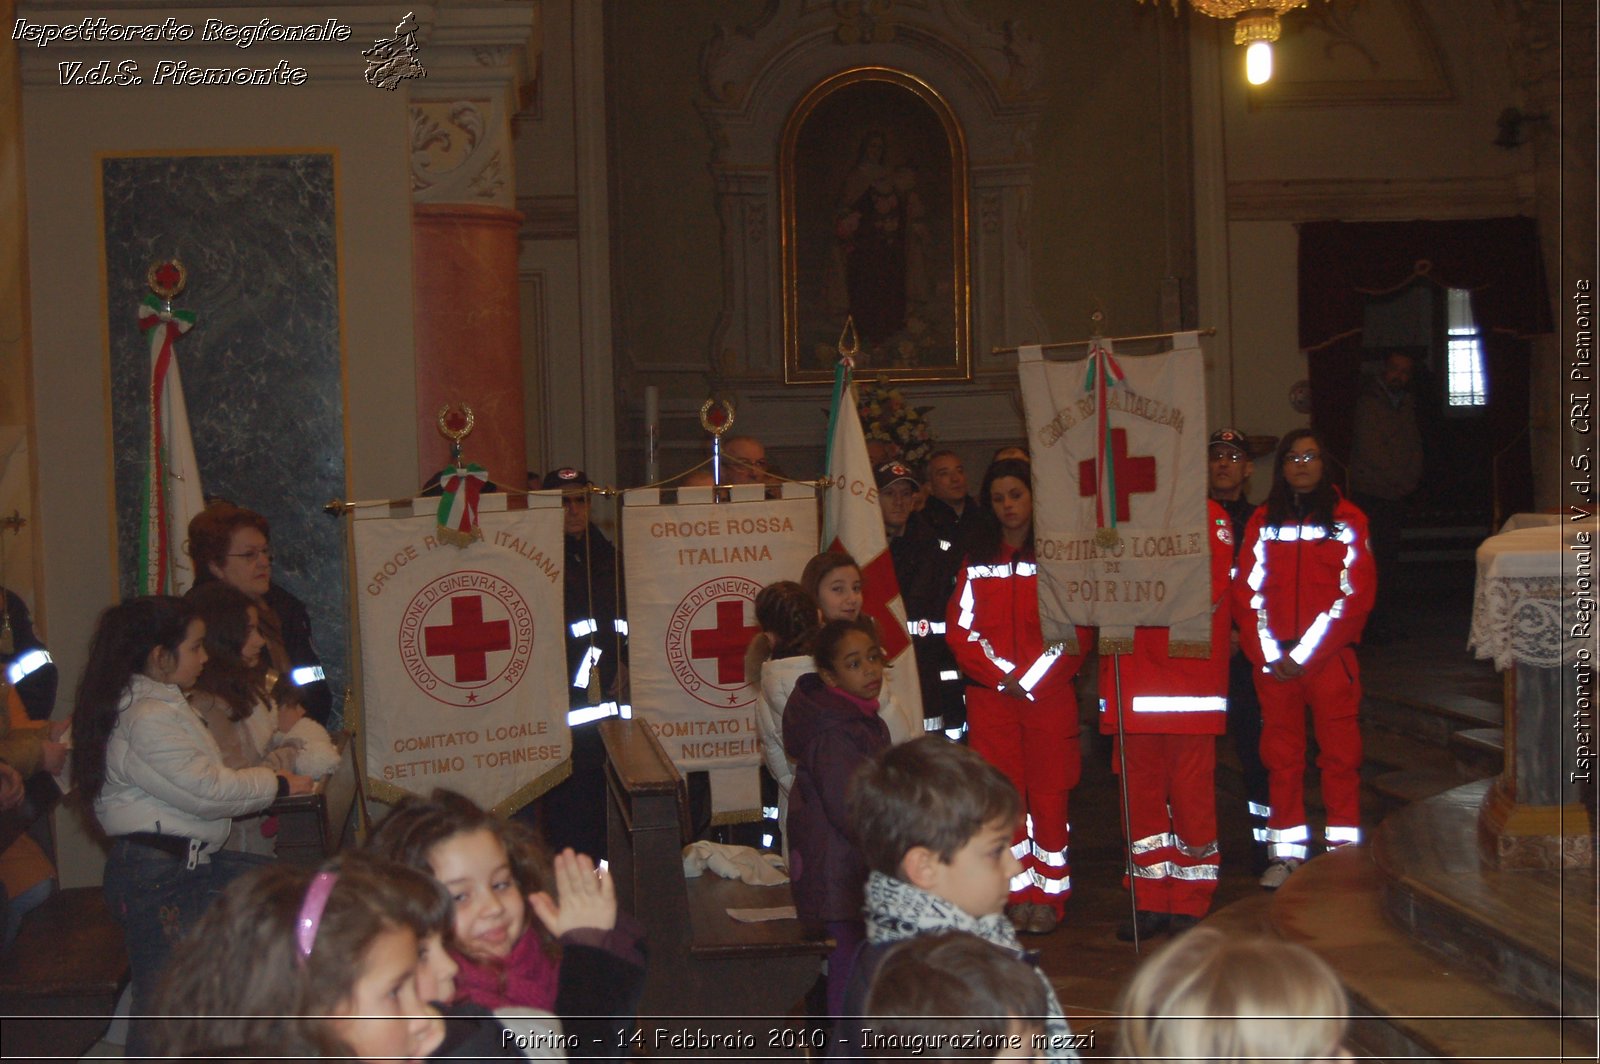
873, 183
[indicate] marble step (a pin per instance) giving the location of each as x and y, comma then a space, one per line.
1427, 714
1479, 752
1529, 934
1407, 1002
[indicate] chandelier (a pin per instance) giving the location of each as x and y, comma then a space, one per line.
1255, 23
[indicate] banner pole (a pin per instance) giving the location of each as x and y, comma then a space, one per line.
1122, 778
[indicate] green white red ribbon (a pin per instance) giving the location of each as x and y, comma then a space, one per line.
458, 507
1103, 372
162, 325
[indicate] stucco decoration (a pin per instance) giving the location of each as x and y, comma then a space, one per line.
753, 76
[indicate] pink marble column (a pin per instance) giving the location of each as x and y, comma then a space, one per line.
468, 335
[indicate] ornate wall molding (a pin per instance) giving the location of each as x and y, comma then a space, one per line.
1376, 200
754, 75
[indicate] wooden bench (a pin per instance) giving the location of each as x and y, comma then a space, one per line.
313, 827
702, 962
65, 971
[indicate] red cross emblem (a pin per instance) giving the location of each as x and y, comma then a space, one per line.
468, 638
726, 643
1134, 475
707, 636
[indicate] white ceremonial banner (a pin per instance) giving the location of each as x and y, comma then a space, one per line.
1155, 568
852, 521
463, 663
692, 572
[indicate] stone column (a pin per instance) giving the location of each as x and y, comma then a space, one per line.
464, 232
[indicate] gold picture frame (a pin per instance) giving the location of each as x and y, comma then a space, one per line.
873, 193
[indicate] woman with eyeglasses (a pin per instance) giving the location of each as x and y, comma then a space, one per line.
1305, 583
232, 544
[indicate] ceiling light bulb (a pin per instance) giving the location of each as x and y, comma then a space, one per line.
1258, 63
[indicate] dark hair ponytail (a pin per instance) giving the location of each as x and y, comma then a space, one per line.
123, 639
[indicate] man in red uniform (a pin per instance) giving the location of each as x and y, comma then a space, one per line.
1173, 705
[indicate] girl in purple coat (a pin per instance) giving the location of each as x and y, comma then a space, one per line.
831, 728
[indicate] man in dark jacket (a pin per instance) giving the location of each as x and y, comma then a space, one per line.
924, 577
573, 813
951, 514
28, 665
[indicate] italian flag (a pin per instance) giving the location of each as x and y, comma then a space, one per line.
172, 494
852, 521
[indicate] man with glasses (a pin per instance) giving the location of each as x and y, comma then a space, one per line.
1229, 470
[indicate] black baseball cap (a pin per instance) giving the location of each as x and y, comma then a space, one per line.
1230, 438
565, 477
891, 472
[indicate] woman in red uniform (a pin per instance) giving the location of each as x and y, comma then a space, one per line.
1022, 713
1305, 584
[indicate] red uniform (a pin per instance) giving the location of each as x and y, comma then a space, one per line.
1303, 593
992, 626
1172, 710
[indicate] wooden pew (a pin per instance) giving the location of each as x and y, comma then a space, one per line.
702, 962
313, 827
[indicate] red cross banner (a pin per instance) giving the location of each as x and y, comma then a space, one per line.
1119, 466
692, 572
463, 668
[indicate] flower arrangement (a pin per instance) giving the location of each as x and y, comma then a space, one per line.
888, 418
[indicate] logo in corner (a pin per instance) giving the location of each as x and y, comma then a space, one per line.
466, 638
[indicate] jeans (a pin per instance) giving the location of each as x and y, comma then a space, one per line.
157, 898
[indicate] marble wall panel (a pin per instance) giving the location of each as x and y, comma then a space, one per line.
261, 367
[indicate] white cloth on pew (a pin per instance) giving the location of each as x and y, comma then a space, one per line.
734, 862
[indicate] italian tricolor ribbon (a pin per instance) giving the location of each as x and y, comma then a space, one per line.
458, 507
1103, 373
171, 452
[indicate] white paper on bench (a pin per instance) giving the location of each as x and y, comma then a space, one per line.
761, 916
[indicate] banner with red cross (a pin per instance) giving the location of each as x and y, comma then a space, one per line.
1119, 479
692, 571
463, 660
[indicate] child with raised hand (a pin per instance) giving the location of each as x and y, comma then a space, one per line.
831, 728
934, 822
1210, 996
525, 931
777, 657
833, 579
237, 697
147, 767
302, 962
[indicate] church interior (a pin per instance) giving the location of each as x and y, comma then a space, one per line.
585, 218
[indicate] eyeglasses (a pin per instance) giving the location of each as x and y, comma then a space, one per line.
1303, 458
251, 556
1231, 457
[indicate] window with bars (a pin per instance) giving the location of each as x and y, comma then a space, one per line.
1466, 383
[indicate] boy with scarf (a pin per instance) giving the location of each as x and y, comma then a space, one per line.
934, 822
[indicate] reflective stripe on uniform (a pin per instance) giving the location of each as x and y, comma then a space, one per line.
1341, 836
580, 678
587, 714
302, 675
1179, 704
586, 626
32, 660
